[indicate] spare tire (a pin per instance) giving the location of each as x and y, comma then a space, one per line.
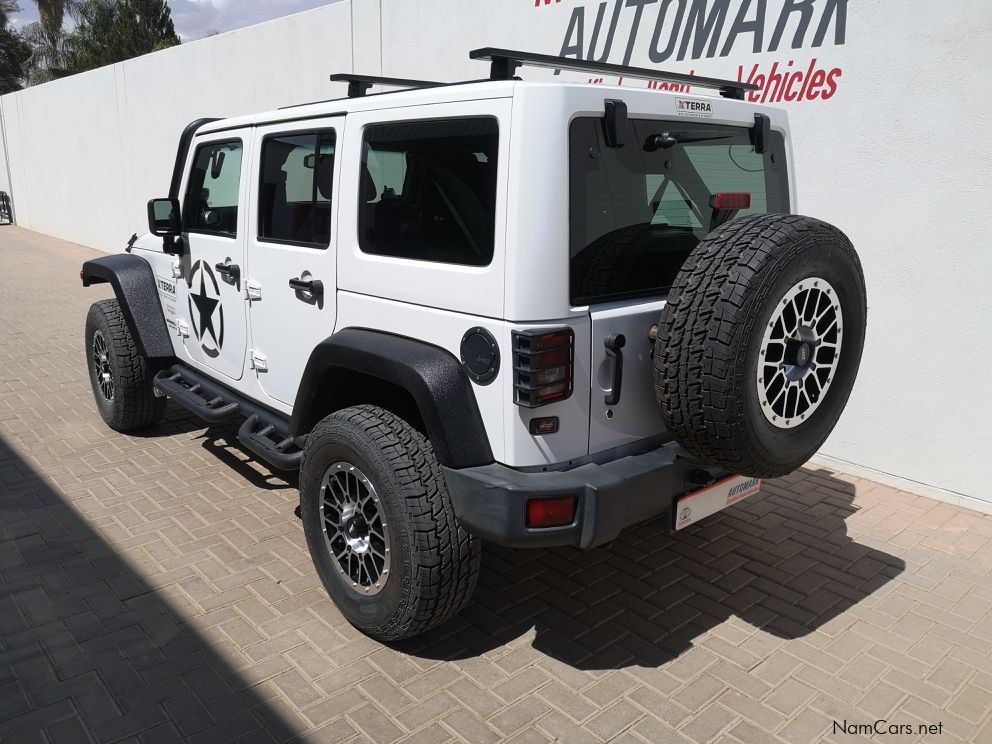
759, 343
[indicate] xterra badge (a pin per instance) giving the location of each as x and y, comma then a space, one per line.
693, 109
166, 287
209, 329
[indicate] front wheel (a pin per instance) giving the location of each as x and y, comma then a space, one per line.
380, 527
120, 376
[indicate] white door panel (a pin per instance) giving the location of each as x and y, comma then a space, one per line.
210, 305
636, 415
292, 238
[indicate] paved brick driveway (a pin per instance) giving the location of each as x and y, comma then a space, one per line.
157, 587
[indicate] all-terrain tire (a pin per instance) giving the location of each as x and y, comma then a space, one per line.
434, 560
122, 381
710, 337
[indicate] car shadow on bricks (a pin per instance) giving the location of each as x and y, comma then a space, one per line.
90, 650
221, 441
781, 561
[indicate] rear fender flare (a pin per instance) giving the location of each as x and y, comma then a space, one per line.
432, 376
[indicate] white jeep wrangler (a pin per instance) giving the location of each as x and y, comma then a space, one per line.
531, 313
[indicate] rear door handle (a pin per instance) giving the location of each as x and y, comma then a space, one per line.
614, 346
229, 271
313, 286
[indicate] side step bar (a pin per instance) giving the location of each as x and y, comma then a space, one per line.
265, 434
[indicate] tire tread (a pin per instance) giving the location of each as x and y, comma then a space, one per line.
447, 558
135, 405
712, 311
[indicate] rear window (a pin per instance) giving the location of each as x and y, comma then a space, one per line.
636, 212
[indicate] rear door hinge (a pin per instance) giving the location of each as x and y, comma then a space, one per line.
258, 361
253, 290
182, 328
176, 270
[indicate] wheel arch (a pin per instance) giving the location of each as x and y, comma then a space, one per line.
421, 383
134, 286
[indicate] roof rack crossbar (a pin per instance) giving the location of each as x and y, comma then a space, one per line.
505, 63
359, 85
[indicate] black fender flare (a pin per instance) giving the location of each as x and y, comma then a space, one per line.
432, 376
134, 285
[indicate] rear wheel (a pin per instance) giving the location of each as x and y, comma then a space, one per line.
760, 343
380, 527
120, 376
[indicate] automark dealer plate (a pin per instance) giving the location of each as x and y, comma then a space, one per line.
699, 504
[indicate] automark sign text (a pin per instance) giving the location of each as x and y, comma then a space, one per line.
698, 28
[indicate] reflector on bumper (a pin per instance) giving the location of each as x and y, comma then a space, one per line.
694, 506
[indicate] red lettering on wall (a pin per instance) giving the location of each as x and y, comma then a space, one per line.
781, 84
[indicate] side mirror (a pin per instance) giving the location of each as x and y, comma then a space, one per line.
164, 218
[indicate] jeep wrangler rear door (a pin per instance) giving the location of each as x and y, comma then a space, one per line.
292, 275
636, 213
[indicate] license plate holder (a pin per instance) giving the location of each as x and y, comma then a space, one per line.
728, 491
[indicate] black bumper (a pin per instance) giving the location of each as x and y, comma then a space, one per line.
491, 500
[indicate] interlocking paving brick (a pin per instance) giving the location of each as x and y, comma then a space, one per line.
156, 587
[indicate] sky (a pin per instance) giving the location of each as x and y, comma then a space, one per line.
197, 18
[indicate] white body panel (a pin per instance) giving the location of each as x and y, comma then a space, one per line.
218, 338
636, 416
475, 290
285, 324
526, 286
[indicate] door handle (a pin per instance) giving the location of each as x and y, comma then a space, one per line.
614, 346
229, 271
313, 286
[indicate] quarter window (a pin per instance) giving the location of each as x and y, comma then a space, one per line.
214, 185
428, 190
296, 187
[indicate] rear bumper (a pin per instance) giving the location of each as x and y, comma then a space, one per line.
491, 500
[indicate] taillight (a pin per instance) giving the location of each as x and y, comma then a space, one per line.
542, 366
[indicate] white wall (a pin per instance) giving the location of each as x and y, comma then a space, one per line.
897, 157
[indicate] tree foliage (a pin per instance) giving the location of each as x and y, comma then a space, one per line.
107, 31
53, 12
110, 32
14, 51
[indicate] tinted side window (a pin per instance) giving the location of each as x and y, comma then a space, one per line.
214, 184
294, 201
428, 190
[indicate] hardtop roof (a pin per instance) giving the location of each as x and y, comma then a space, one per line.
446, 93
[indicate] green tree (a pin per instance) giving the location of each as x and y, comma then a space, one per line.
14, 51
112, 31
107, 31
52, 12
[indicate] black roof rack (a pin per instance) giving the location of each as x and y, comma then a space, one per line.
505, 63
359, 85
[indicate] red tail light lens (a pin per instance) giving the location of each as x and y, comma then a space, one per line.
728, 200
555, 512
542, 366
